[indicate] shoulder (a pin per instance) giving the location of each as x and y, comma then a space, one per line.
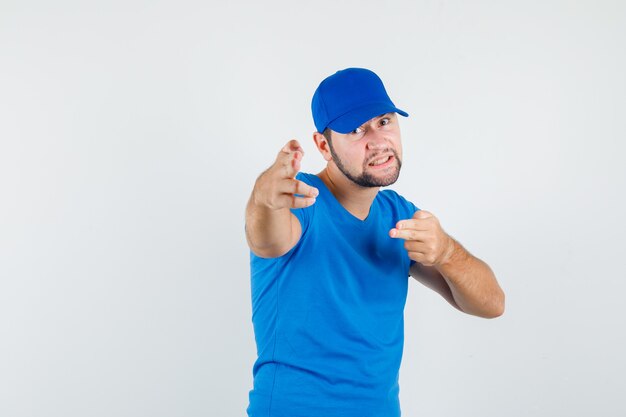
306, 177
391, 200
392, 197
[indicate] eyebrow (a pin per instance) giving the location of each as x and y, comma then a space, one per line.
376, 118
381, 116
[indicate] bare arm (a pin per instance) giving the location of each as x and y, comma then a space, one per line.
471, 284
431, 278
271, 229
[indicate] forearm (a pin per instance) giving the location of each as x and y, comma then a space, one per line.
268, 231
472, 283
271, 229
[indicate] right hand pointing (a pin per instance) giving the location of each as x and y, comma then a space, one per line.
277, 188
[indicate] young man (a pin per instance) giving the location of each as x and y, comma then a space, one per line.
330, 257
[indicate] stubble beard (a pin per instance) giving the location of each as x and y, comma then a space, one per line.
366, 179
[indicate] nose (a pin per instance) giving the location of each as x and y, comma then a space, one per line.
377, 140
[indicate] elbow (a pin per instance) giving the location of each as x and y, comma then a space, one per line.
495, 313
490, 308
265, 250
269, 251
496, 306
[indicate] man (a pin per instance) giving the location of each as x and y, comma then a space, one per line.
330, 257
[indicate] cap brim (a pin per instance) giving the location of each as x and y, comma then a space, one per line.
347, 122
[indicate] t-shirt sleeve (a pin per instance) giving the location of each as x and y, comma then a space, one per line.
412, 209
407, 209
303, 215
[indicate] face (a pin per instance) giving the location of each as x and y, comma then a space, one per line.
370, 155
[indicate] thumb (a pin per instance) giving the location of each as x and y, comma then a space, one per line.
422, 214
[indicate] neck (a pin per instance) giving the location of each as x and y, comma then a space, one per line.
353, 197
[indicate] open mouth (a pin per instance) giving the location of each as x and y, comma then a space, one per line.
381, 161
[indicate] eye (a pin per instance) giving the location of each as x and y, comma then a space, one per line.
356, 131
385, 121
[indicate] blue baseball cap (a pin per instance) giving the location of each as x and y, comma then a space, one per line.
349, 98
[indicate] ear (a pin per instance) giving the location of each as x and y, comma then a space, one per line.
322, 145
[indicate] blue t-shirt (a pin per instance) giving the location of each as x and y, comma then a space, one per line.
328, 315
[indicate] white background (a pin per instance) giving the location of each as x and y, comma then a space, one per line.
131, 134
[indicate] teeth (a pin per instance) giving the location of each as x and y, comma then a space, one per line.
380, 161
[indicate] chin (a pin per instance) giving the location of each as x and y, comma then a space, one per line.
389, 181
368, 179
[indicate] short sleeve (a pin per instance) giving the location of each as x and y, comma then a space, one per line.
405, 209
412, 209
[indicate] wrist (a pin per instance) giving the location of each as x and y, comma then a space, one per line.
448, 254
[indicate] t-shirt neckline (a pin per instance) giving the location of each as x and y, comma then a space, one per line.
341, 210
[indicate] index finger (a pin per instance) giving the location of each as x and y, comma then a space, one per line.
413, 224
299, 188
289, 158
408, 234
292, 146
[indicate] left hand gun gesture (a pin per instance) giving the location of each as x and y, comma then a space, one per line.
424, 239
